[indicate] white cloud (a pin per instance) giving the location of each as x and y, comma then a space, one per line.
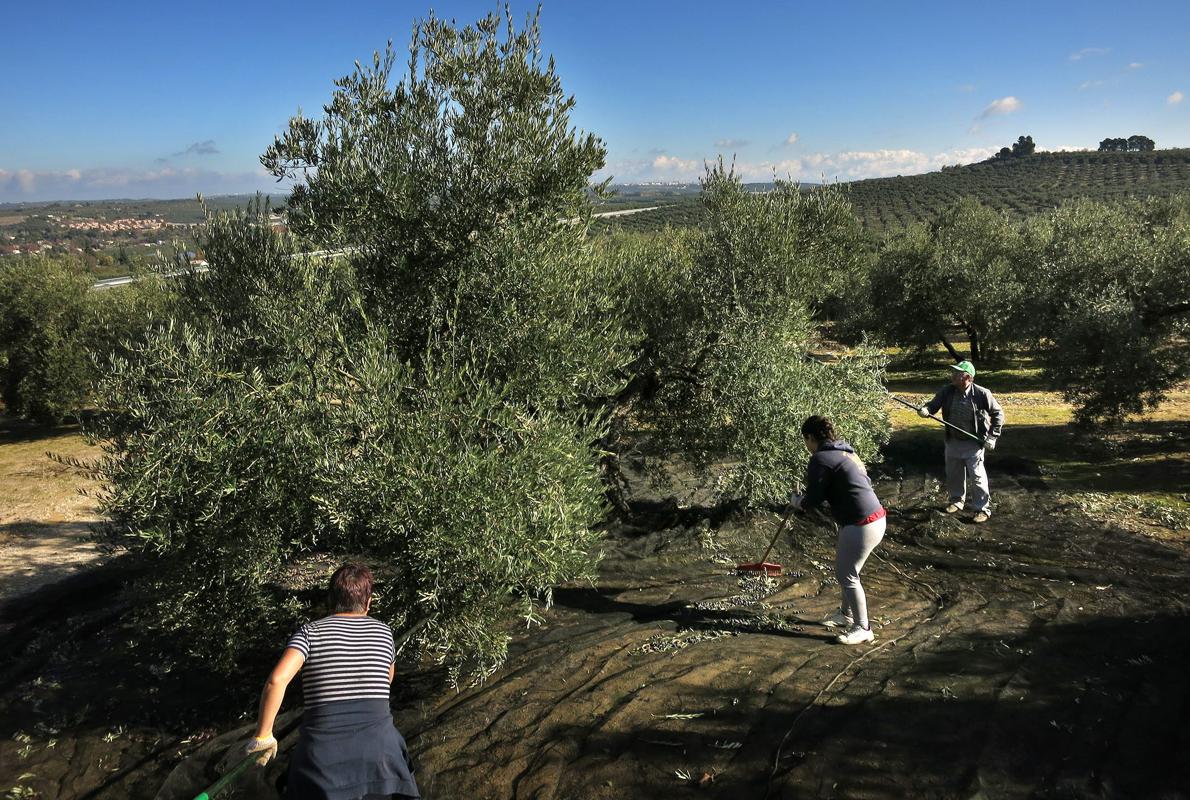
1175, 98
858, 164
999, 107
812, 167
100, 184
1086, 52
674, 168
791, 139
1135, 65
1089, 85
729, 143
1005, 105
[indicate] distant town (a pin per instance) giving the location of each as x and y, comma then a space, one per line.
110, 237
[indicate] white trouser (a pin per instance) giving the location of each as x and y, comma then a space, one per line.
855, 545
965, 460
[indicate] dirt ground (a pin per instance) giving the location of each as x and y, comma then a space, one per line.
1040, 655
44, 519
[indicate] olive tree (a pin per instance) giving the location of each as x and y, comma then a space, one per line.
419, 393
273, 421
1111, 310
731, 361
44, 369
965, 271
54, 329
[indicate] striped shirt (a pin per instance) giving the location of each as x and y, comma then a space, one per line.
347, 658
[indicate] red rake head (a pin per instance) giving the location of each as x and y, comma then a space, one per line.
768, 568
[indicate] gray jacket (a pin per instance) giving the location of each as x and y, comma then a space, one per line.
989, 417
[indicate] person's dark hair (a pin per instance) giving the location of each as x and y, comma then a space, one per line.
820, 428
350, 588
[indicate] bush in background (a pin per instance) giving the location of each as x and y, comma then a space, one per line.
55, 331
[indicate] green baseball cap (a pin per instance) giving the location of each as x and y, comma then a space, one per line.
964, 366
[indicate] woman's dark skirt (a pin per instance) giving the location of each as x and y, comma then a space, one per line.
348, 750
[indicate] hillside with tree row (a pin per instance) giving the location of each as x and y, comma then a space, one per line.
1021, 185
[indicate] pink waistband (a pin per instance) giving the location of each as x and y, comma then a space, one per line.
868, 520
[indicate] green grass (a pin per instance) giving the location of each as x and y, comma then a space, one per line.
1164, 510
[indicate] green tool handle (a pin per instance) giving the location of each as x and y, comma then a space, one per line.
907, 404
221, 784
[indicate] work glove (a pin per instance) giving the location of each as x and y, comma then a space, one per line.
989, 444
923, 411
795, 502
266, 747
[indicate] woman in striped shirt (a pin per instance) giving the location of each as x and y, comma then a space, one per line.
349, 748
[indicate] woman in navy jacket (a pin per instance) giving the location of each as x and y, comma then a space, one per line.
836, 476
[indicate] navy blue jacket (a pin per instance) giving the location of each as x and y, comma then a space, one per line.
836, 475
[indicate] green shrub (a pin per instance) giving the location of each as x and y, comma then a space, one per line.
1112, 307
54, 331
283, 426
45, 368
726, 320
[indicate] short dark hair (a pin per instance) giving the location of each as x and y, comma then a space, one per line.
350, 588
820, 428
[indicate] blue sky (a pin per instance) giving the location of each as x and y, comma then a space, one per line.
165, 99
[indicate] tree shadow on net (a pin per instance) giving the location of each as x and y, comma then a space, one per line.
1086, 709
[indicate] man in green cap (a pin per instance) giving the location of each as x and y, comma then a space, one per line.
973, 409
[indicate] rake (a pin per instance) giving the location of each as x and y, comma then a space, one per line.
765, 566
907, 404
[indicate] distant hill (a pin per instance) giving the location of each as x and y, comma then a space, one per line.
677, 204
1021, 186
683, 196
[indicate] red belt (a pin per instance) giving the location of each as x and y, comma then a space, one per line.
868, 520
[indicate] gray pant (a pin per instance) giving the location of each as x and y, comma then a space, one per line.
963, 460
855, 545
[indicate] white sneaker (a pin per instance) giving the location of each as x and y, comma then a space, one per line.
837, 619
855, 635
